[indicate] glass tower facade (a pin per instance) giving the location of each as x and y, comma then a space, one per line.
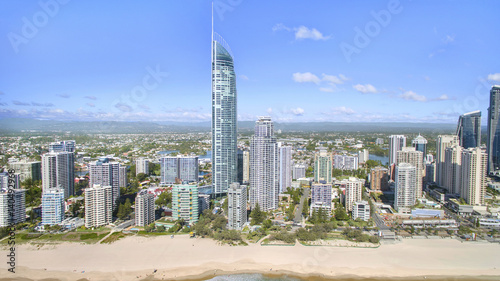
493, 142
224, 117
469, 129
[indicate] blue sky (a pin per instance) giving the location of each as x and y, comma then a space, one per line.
394, 61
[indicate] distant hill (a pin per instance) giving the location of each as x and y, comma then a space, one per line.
16, 125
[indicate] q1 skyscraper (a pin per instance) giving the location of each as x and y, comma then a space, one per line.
224, 116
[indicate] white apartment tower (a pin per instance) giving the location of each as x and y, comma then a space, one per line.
474, 170
142, 166
353, 192
285, 169
106, 173
144, 208
264, 166
406, 185
58, 170
6, 217
414, 157
452, 168
237, 206
98, 205
443, 141
396, 143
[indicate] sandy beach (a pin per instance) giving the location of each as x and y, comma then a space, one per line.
135, 258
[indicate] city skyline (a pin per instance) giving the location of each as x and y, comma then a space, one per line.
98, 65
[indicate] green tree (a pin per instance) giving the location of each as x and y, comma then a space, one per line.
267, 224
141, 177
340, 213
305, 207
164, 198
257, 215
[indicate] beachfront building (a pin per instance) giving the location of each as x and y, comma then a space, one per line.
443, 142
414, 157
58, 170
473, 175
179, 169
452, 168
285, 167
203, 202
237, 206
321, 198
224, 116
144, 208
27, 169
105, 173
379, 179
98, 205
264, 166
52, 206
185, 203
323, 162
493, 141
361, 210
7, 217
353, 192
142, 166
406, 185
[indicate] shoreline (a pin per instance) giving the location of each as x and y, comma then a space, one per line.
182, 258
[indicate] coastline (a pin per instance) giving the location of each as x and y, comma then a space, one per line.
182, 258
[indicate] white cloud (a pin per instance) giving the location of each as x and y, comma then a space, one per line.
443, 97
297, 111
342, 110
494, 77
333, 79
91, 104
410, 95
243, 77
365, 89
343, 77
327, 90
90, 97
123, 107
449, 39
427, 78
303, 32
305, 77
269, 110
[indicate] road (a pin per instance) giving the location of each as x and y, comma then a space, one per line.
298, 211
378, 220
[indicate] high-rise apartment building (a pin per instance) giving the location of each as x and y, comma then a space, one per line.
224, 116
264, 166
406, 186
443, 141
122, 174
60, 146
452, 168
52, 206
412, 156
321, 197
493, 141
246, 167
58, 170
469, 129
15, 178
27, 170
346, 162
420, 144
237, 206
98, 205
379, 178
361, 210
473, 182
363, 156
142, 166
106, 173
183, 168
285, 167
396, 143
12, 207
144, 208
430, 172
353, 192
185, 203
240, 166
298, 171
323, 164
